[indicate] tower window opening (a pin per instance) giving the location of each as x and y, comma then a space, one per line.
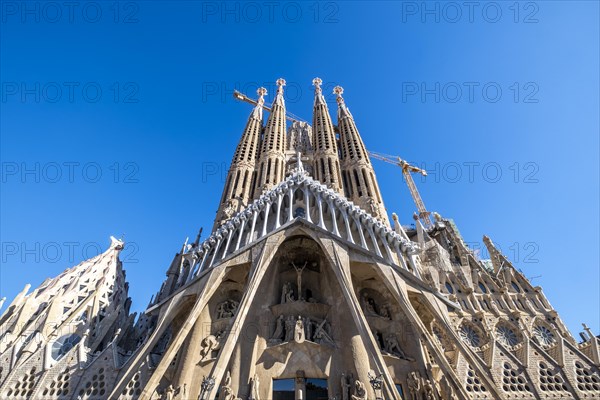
516, 287
367, 186
358, 188
482, 288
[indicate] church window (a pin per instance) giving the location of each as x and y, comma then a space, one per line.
299, 212
516, 287
359, 190
543, 335
470, 336
482, 288
449, 288
506, 335
64, 344
367, 186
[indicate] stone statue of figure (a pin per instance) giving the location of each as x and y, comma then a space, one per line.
414, 385
227, 381
393, 347
373, 207
208, 345
429, 390
299, 331
254, 388
226, 390
278, 335
360, 393
289, 328
285, 292
221, 310
308, 325
368, 305
345, 386
299, 278
229, 209
169, 392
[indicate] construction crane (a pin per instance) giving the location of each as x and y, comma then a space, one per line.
407, 170
242, 97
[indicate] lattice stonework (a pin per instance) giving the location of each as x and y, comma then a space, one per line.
95, 388
59, 386
474, 385
587, 381
551, 381
133, 390
23, 388
513, 381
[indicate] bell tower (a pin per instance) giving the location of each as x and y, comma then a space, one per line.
360, 184
241, 176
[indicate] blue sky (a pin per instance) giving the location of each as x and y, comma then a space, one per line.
118, 120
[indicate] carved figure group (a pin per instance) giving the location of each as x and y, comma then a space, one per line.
287, 293
371, 308
300, 329
227, 309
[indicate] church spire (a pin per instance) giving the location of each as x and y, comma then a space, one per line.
326, 162
271, 162
360, 184
241, 176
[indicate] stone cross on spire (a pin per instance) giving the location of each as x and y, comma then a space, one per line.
280, 84
319, 99
338, 90
279, 96
317, 84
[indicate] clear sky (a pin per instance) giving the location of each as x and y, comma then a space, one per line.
117, 119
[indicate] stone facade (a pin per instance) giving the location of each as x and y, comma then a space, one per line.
303, 284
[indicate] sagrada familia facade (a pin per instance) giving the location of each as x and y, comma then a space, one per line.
304, 290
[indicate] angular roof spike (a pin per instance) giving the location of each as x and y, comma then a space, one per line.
197, 241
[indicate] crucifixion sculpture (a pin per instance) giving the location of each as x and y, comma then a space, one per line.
299, 278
